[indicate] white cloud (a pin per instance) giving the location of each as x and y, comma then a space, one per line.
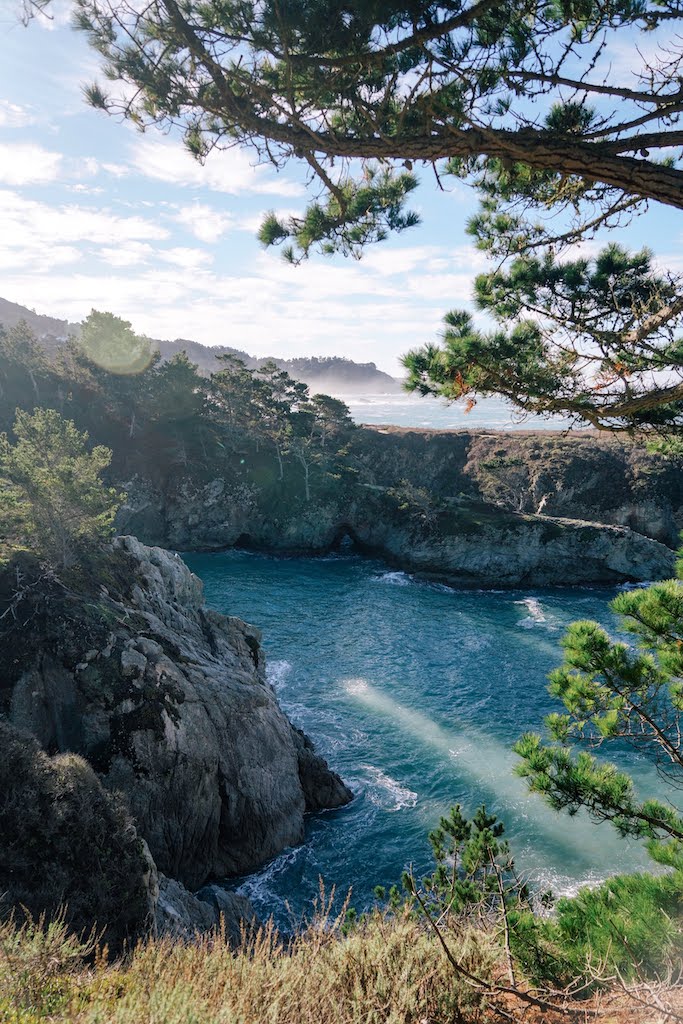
205, 223
13, 115
231, 171
26, 218
26, 163
126, 255
36, 236
86, 190
188, 259
116, 170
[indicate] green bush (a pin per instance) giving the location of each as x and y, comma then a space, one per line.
67, 843
630, 923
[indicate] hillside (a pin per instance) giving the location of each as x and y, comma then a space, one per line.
50, 330
328, 373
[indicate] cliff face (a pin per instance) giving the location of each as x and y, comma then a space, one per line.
428, 502
579, 475
168, 701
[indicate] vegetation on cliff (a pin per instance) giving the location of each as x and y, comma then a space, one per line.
69, 848
159, 417
53, 500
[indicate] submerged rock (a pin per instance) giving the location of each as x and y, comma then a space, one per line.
168, 701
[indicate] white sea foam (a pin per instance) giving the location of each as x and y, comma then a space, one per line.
386, 792
396, 579
277, 673
260, 887
536, 616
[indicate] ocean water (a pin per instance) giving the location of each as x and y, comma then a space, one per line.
414, 692
409, 410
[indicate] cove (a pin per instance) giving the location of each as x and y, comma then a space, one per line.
415, 693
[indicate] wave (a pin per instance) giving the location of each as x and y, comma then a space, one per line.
535, 617
261, 888
383, 786
277, 673
396, 579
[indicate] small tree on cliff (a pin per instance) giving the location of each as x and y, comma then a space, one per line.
53, 497
615, 694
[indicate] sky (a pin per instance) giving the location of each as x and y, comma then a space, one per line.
94, 214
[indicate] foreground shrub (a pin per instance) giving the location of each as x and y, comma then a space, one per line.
388, 970
630, 924
66, 843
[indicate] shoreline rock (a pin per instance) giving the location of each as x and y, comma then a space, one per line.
168, 701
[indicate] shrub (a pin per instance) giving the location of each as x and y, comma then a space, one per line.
630, 923
67, 843
389, 970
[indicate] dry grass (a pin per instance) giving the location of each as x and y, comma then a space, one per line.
389, 970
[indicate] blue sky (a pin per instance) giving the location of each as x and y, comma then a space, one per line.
96, 215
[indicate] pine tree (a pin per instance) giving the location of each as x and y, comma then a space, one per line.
53, 498
615, 694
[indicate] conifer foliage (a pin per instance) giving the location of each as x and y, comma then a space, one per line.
593, 339
53, 498
614, 694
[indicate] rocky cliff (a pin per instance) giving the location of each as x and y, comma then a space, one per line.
168, 701
487, 510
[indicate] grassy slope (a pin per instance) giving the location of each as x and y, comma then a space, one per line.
387, 971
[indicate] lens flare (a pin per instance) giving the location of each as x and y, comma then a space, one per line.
111, 344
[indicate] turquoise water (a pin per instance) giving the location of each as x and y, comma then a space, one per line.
414, 692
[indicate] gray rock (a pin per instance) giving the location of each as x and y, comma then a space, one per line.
610, 510
233, 912
183, 914
189, 730
179, 913
322, 788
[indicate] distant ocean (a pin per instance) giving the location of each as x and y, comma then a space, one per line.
404, 410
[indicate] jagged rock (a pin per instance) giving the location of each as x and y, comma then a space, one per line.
180, 913
183, 914
232, 911
174, 712
321, 787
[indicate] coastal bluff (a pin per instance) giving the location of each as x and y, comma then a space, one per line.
481, 508
168, 702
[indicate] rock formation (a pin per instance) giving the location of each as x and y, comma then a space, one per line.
457, 538
168, 701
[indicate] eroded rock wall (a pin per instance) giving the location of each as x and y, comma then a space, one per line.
168, 701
